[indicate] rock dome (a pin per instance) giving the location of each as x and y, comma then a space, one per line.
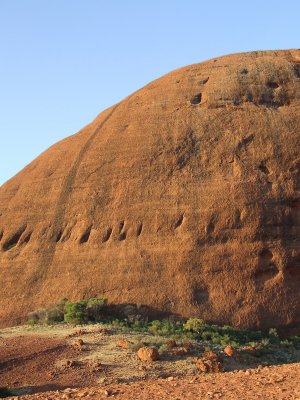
185, 197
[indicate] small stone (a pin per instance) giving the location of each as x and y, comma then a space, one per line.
123, 343
229, 351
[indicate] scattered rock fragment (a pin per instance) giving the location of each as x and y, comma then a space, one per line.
210, 362
123, 343
229, 351
148, 354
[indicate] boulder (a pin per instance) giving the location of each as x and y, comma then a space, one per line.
148, 354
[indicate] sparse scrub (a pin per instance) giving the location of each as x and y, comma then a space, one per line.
37, 317
5, 392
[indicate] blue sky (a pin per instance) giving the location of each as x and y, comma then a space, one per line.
64, 61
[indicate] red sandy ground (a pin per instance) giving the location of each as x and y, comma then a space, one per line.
31, 359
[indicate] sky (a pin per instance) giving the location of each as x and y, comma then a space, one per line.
62, 62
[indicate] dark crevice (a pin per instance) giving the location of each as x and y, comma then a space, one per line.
107, 235
59, 235
196, 99
272, 85
121, 226
179, 221
1, 235
27, 237
244, 71
245, 142
262, 166
139, 229
85, 237
204, 81
13, 240
122, 236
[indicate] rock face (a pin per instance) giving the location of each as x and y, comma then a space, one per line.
185, 196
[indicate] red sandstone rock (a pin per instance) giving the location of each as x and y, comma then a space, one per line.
185, 197
229, 351
148, 354
123, 343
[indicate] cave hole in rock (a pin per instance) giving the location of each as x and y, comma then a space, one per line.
244, 71
59, 235
139, 229
203, 81
272, 85
27, 237
107, 235
262, 166
196, 99
13, 240
86, 235
121, 226
122, 236
179, 222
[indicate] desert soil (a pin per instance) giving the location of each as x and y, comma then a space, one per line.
47, 363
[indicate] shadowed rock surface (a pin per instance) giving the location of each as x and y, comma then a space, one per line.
185, 196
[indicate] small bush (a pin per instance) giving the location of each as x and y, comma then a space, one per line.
84, 311
37, 317
5, 392
194, 325
76, 313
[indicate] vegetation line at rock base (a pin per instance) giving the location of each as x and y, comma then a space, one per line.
5, 392
128, 318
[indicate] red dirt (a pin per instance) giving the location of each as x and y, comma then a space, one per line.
277, 383
32, 361
29, 364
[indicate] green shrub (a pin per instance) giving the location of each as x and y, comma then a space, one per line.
76, 313
84, 311
194, 325
5, 392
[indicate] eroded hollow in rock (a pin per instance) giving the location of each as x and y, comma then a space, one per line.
272, 85
14, 239
179, 222
266, 267
107, 235
139, 229
86, 235
196, 99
